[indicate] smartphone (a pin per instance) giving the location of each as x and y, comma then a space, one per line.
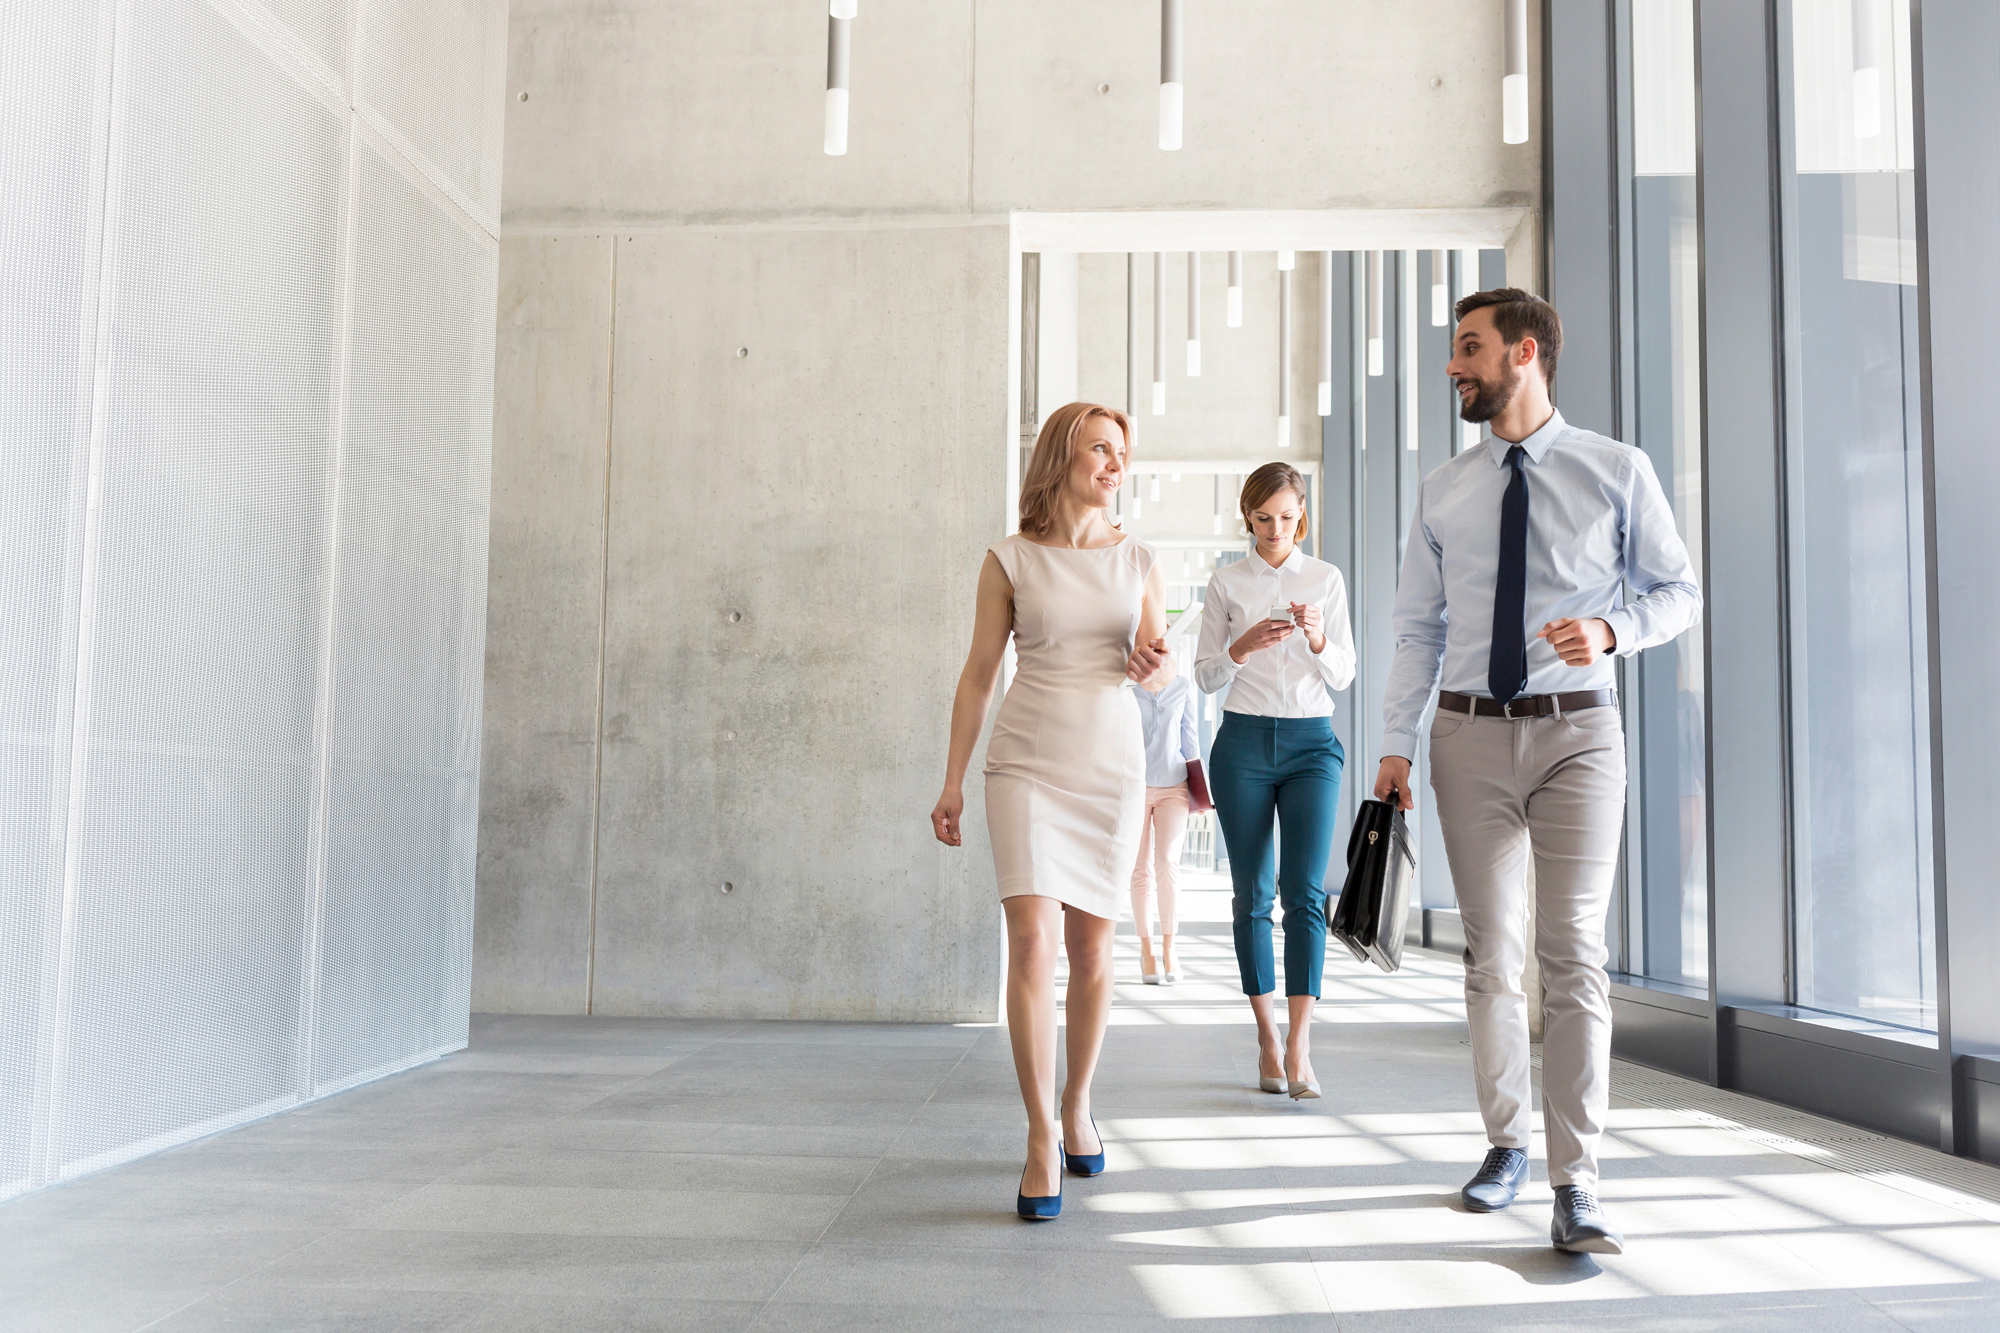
1282, 612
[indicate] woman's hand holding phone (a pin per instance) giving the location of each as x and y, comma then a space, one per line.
1260, 636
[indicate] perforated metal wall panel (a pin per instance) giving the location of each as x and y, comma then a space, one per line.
48, 297
245, 416
320, 27
223, 264
409, 642
435, 70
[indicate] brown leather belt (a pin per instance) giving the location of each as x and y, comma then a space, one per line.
1526, 705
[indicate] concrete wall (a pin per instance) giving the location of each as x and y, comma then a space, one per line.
667, 203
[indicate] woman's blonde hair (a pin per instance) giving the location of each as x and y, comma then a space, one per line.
1049, 463
1267, 481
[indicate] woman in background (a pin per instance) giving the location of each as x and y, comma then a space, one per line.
1274, 633
1166, 714
1066, 768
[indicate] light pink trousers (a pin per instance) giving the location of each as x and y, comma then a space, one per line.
1157, 872
1553, 787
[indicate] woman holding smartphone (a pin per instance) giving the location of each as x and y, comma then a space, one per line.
1066, 768
1274, 633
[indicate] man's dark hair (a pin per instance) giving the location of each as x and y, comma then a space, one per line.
1518, 314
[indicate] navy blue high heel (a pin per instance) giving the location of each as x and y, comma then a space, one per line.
1086, 1164
1042, 1207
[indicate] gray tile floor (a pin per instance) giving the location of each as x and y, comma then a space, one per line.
627, 1174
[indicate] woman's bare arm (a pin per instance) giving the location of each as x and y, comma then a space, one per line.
1150, 658
991, 625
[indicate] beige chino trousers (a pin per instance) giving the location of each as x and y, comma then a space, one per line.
1156, 875
1554, 786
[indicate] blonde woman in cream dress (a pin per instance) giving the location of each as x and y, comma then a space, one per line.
1066, 768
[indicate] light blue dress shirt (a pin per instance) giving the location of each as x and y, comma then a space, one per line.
1597, 522
1168, 718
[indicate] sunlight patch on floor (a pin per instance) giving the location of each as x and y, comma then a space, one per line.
1231, 1291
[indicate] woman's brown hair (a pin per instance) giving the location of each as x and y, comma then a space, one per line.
1049, 463
1267, 481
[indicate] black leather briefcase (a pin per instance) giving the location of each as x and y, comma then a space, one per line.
1375, 901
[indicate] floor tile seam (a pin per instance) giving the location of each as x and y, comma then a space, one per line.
813, 1248
241, 1277
626, 1086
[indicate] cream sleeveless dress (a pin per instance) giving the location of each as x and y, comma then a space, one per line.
1066, 768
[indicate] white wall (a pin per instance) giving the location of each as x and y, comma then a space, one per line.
247, 268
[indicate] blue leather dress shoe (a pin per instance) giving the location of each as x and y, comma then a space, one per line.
1580, 1225
1499, 1179
1086, 1164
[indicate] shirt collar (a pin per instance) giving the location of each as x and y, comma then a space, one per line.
1263, 566
1537, 445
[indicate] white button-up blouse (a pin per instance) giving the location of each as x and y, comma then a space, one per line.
1287, 679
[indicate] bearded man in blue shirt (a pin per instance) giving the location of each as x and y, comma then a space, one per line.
1511, 604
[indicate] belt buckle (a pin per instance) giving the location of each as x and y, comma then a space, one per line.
1507, 710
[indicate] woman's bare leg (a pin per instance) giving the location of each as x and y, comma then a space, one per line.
1034, 933
1298, 1040
1086, 1011
1270, 1063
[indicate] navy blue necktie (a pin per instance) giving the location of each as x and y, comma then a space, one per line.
1507, 668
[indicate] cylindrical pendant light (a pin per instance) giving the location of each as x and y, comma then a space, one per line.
1170, 75
1217, 529
837, 34
1194, 312
1326, 333
1440, 292
1235, 320
1514, 84
842, 9
1867, 72
1156, 487
1159, 333
1131, 334
1374, 312
1284, 349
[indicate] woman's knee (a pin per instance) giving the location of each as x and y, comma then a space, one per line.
1034, 944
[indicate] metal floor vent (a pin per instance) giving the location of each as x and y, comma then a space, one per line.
1970, 1187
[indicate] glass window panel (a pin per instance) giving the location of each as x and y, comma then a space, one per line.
1669, 903
1862, 910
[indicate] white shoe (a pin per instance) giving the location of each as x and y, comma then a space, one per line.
1171, 979
1270, 1084
1150, 978
1305, 1091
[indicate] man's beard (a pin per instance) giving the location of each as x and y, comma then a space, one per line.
1488, 401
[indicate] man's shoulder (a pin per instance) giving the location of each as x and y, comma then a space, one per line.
1598, 447
1477, 456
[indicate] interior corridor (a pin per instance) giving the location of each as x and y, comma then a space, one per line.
661, 1174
